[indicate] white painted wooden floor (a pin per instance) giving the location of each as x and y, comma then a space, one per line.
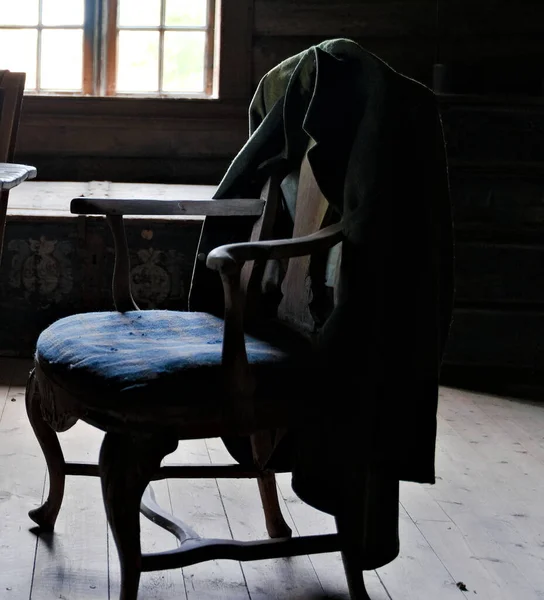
478, 533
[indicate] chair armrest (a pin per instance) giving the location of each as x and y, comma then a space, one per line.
231, 257
11, 175
114, 210
235, 207
228, 260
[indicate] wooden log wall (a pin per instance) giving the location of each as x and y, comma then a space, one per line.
492, 46
493, 53
401, 32
496, 156
488, 46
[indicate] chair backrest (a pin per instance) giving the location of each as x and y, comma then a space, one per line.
299, 292
307, 292
11, 87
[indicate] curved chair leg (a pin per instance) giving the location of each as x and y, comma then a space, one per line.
352, 568
355, 579
127, 465
46, 515
262, 448
275, 522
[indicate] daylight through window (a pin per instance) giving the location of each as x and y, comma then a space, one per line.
110, 47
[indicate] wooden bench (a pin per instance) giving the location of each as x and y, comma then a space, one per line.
57, 263
52, 198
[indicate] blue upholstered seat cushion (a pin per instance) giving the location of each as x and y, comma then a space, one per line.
136, 353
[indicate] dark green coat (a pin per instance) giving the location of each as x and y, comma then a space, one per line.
379, 159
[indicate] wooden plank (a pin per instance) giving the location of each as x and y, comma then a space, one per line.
502, 204
160, 191
115, 136
235, 24
4, 392
345, 18
410, 55
186, 169
45, 196
479, 502
84, 562
328, 567
21, 484
447, 541
419, 505
453, 549
464, 17
498, 449
482, 546
500, 338
20, 370
88, 132
417, 572
494, 499
511, 132
280, 579
154, 585
481, 100
13, 371
73, 561
114, 206
492, 64
482, 524
199, 503
498, 273
126, 107
52, 198
523, 421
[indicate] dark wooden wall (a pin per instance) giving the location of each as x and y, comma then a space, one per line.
492, 46
488, 46
493, 111
402, 32
496, 157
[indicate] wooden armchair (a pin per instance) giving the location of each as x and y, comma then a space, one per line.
150, 378
11, 175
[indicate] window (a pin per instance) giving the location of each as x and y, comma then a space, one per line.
111, 47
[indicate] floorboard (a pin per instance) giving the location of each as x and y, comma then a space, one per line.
21, 487
279, 579
328, 567
477, 533
73, 561
199, 503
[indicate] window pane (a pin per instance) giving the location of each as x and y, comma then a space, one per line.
63, 12
19, 12
138, 61
139, 12
184, 61
62, 59
18, 49
186, 12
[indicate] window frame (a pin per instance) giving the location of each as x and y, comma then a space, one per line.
87, 50
106, 33
167, 140
228, 63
